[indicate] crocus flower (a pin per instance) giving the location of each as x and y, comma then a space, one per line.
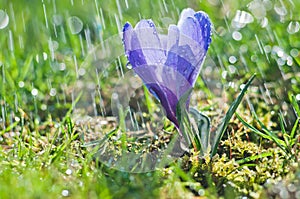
169, 64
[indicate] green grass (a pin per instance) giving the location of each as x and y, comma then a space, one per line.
43, 149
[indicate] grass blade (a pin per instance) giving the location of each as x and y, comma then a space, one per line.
255, 157
252, 128
267, 134
221, 130
294, 129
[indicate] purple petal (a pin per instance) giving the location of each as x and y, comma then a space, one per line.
190, 35
205, 27
136, 55
181, 58
127, 33
132, 46
167, 84
204, 41
149, 42
173, 37
180, 62
185, 13
168, 100
195, 33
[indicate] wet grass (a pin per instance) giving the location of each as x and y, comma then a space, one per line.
47, 73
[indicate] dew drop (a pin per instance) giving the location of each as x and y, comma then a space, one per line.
129, 66
224, 74
45, 56
243, 48
4, 19
232, 59
34, 92
201, 192
52, 92
53, 45
241, 19
242, 86
280, 9
21, 84
292, 188
75, 24
289, 61
151, 24
267, 4
293, 27
264, 22
236, 35
232, 69
267, 48
57, 19
257, 9
284, 193
62, 66
115, 96
44, 107
17, 119
294, 52
68, 171
65, 193
254, 58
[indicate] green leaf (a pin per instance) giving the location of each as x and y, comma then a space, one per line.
203, 129
185, 127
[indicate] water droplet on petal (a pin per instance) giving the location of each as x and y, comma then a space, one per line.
151, 24
4, 19
75, 24
129, 66
293, 27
